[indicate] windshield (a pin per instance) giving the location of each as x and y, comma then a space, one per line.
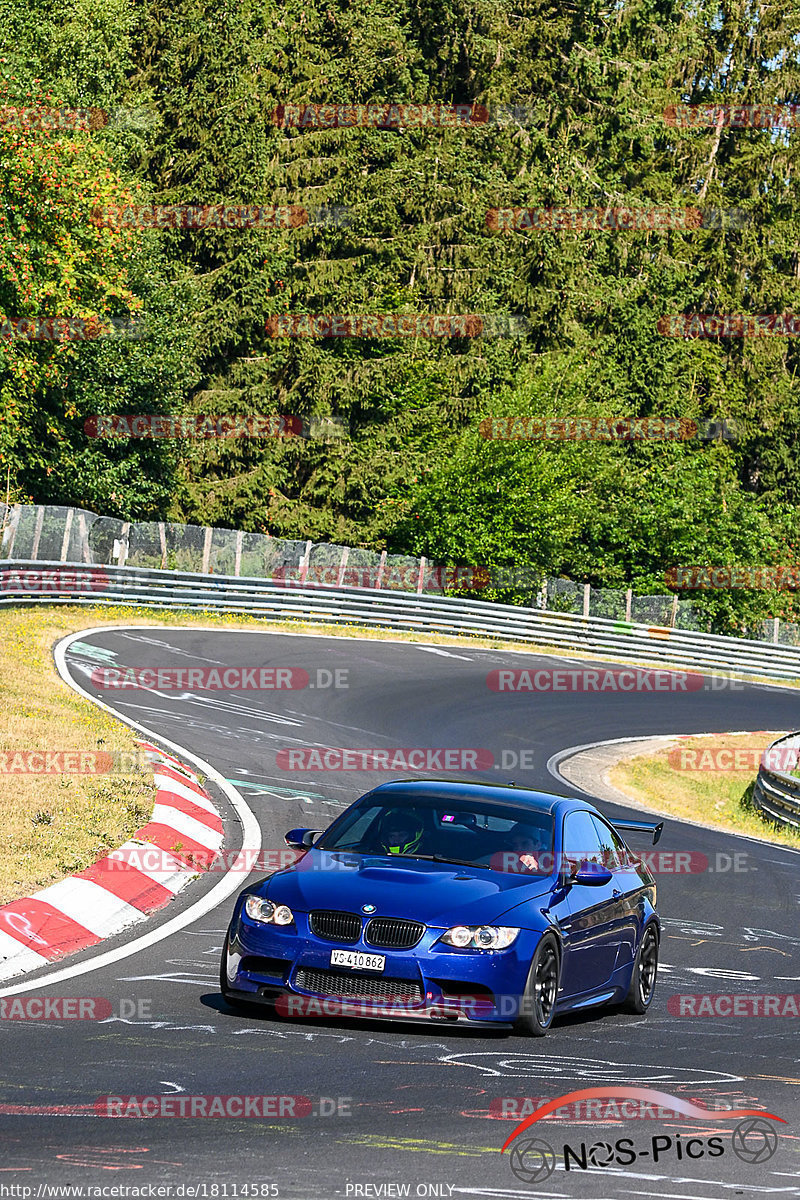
500, 838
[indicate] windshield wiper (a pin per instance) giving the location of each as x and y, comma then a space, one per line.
441, 858
460, 862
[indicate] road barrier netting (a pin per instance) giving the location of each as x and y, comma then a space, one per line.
55, 534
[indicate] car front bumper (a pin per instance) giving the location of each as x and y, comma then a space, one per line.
290, 968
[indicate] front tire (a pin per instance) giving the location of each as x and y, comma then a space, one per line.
231, 1001
643, 977
541, 990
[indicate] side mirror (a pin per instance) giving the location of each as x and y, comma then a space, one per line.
301, 839
592, 874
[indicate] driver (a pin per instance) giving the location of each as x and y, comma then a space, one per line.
400, 831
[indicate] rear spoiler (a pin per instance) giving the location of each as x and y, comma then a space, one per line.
641, 827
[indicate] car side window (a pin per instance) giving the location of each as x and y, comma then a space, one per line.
615, 854
581, 841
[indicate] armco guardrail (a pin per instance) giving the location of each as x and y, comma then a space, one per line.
47, 532
35, 582
50, 533
777, 793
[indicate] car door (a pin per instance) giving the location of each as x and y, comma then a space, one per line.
627, 888
591, 927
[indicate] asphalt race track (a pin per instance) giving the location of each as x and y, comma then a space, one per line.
406, 1109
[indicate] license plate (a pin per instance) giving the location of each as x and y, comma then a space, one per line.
355, 958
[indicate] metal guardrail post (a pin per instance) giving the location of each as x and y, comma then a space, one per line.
587, 595
381, 569
10, 530
207, 550
67, 532
85, 551
37, 531
342, 566
421, 576
123, 543
305, 563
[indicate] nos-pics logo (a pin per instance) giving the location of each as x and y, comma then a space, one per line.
754, 1139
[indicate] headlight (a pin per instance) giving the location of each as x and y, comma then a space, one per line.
264, 910
480, 937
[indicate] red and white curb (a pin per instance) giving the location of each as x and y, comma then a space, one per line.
182, 838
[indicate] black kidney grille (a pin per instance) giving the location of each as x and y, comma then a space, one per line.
394, 933
335, 983
335, 926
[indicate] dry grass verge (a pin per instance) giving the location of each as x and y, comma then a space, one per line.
686, 780
53, 824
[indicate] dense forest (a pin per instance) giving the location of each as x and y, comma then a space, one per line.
193, 98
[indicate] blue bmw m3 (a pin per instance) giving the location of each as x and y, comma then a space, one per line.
451, 902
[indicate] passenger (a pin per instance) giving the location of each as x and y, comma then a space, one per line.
529, 850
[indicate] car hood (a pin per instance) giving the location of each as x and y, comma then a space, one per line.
438, 894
